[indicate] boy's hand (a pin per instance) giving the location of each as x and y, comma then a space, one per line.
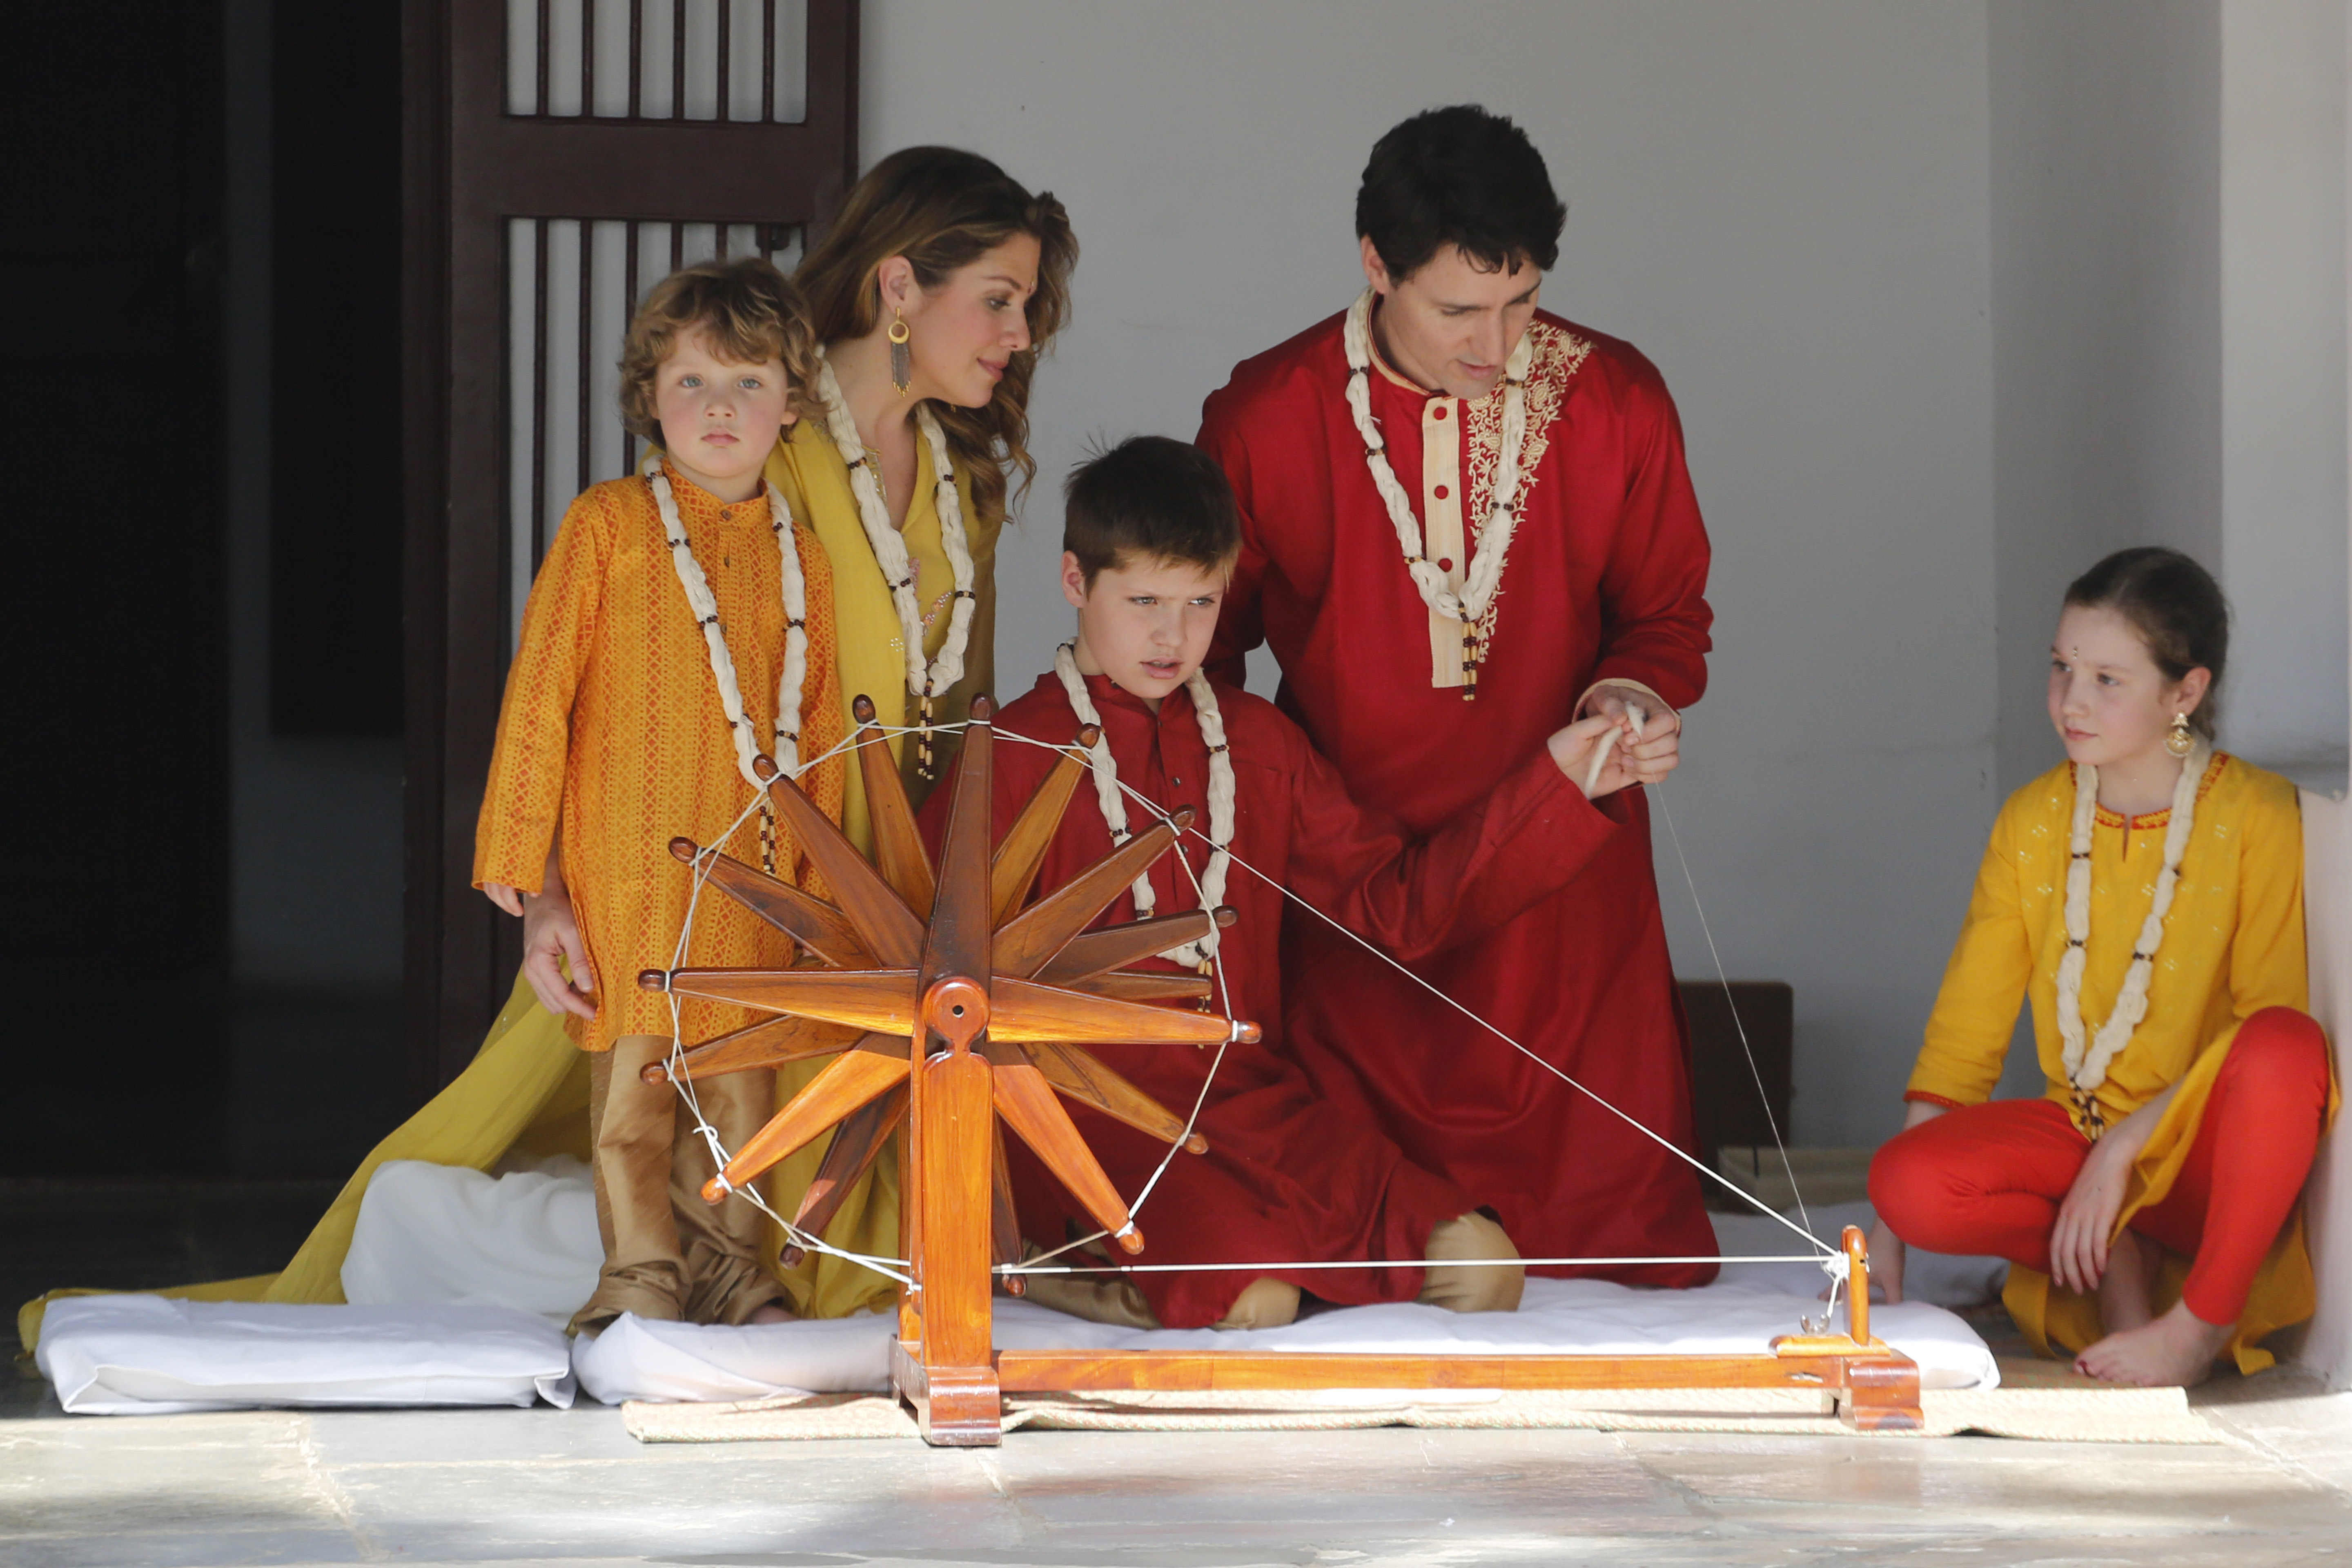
1637, 756
550, 938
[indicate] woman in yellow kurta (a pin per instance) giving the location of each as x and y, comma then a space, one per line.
932, 295
2146, 899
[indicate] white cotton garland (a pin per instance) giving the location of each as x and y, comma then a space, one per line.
890, 548
1484, 575
2086, 1065
705, 607
1113, 801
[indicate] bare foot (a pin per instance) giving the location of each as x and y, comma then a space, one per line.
770, 1313
2132, 1264
2176, 1350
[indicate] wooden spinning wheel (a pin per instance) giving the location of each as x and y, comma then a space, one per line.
953, 1010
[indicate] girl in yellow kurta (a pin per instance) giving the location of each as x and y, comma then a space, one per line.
2146, 899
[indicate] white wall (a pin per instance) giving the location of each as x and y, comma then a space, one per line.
2283, 382
1785, 206
2106, 311
2327, 913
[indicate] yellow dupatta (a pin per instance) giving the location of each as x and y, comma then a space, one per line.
808, 469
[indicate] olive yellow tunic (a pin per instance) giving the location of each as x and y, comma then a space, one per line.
2233, 945
807, 467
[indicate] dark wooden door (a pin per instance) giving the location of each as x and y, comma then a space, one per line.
561, 156
117, 698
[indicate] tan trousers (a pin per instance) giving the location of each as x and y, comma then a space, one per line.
668, 1254
1271, 1304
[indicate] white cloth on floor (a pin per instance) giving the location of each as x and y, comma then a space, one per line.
1936, 1279
681, 1362
525, 1240
134, 1354
640, 1358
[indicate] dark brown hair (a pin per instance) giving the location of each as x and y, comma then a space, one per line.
1463, 177
2175, 606
943, 208
1150, 497
749, 310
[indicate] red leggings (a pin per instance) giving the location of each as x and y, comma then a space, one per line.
1986, 1180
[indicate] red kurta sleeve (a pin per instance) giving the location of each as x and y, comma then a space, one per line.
1653, 588
1240, 625
1524, 840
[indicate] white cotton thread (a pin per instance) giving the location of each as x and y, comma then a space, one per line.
1666, 1143
2086, 1061
1222, 795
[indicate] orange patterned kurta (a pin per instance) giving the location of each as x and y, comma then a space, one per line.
612, 723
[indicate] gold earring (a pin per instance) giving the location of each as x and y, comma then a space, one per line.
2178, 740
902, 359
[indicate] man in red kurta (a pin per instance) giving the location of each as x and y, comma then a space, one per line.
1387, 612
1289, 1177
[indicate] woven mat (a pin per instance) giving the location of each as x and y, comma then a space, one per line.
2054, 1406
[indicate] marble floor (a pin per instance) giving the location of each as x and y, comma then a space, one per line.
548, 1486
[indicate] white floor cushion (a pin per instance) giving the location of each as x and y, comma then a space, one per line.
525, 1240
638, 1360
121, 1355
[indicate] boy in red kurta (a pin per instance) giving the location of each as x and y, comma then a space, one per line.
1289, 1177
1445, 491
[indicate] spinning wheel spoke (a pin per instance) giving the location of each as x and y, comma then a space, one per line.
1025, 1010
1026, 1100
1096, 951
771, 1042
856, 1144
849, 1081
1046, 927
899, 852
961, 928
1023, 848
806, 918
1003, 1217
878, 999
1077, 1074
1149, 985
882, 922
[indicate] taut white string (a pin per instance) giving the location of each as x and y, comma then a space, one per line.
1662, 1142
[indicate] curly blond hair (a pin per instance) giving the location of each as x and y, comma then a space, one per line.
750, 313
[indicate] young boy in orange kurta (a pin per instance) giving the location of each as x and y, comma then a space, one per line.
626, 724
